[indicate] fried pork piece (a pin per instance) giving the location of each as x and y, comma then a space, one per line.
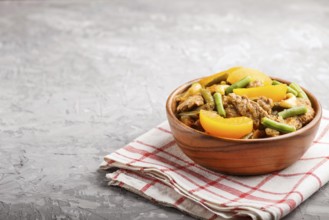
190, 102
300, 120
266, 103
230, 109
258, 134
271, 132
294, 121
309, 115
236, 105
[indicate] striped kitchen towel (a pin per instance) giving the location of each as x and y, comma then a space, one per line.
154, 167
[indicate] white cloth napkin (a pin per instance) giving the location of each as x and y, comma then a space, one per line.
154, 167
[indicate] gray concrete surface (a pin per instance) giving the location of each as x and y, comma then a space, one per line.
79, 79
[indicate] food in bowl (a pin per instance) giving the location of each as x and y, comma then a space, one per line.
240, 156
244, 103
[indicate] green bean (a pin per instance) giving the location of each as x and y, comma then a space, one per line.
299, 90
219, 104
289, 89
275, 82
284, 128
206, 94
298, 110
239, 84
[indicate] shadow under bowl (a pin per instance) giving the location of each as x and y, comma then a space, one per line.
242, 156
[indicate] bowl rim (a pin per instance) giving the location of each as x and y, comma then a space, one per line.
315, 104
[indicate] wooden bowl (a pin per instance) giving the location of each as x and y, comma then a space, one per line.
240, 156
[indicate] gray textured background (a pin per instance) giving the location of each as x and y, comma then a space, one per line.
79, 79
